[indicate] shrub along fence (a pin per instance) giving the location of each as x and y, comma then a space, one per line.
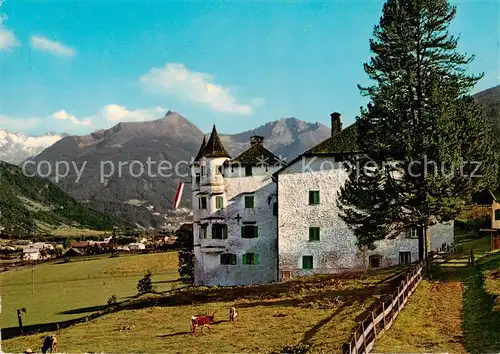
382, 317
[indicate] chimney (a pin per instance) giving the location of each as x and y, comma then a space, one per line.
256, 139
336, 123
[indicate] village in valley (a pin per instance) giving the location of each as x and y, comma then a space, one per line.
356, 230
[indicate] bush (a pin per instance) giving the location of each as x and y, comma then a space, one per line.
184, 243
145, 285
112, 300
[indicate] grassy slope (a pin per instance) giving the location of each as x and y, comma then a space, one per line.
26, 202
458, 311
319, 311
70, 290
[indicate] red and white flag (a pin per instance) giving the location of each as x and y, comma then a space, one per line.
178, 195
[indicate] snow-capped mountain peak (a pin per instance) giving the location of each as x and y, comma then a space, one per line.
17, 147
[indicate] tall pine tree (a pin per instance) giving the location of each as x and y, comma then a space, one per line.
422, 135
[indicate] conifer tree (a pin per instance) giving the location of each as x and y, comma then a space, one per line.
421, 137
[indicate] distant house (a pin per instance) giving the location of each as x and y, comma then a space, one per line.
73, 252
136, 246
493, 200
31, 254
82, 245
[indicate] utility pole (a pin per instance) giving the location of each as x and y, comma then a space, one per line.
33, 277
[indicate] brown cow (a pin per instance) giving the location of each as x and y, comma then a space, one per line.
49, 344
201, 321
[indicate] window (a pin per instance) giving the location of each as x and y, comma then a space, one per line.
404, 257
219, 231
228, 258
202, 202
219, 202
248, 170
249, 201
250, 258
307, 262
314, 234
218, 170
202, 170
249, 231
203, 231
374, 261
197, 179
413, 232
497, 214
313, 197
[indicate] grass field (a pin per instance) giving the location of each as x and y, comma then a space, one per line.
317, 311
65, 291
458, 311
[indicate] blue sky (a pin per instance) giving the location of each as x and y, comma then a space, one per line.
78, 66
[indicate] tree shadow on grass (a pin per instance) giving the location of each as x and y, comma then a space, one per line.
481, 323
175, 334
85, 310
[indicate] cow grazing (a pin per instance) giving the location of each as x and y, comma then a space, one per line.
201, 321
49, 344
232, 314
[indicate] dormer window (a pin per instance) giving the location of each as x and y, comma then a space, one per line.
202, 170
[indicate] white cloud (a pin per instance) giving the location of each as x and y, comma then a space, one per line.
53, 47
116, 113
175, 79
65, 122
8, 39
63, 115
18, 123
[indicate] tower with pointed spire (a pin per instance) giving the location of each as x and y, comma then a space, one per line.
234, 221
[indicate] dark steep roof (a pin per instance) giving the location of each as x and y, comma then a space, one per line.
345, 141
257, 155
214, 147
200, 152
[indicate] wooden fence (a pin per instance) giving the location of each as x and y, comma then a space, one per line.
382, 317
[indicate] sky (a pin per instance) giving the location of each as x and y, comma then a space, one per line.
79, 66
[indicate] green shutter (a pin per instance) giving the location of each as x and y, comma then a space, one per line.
314, 234
242, 231
313, 197
224, 232
249, 201
244, 260
233, 259
219, 202
256, 258
307, 262
255, 232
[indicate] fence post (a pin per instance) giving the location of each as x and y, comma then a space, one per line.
355, 340
383, 316
364, 338
374, 324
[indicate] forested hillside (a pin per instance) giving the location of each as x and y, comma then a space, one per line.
34, 204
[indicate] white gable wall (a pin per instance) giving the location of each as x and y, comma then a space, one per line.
336, 251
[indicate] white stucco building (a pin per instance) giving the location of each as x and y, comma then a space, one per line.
234, 222
312, 238
258, 220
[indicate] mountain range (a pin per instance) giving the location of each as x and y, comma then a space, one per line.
104, 168
115, 177
16, 147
